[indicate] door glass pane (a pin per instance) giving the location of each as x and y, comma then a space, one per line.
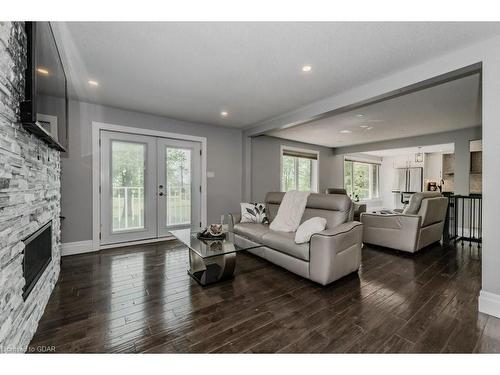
178, 186
127, 175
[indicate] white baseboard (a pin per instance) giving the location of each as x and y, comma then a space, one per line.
80, 247
489, 303
132, 243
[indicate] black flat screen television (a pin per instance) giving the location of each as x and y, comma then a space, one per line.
44, 112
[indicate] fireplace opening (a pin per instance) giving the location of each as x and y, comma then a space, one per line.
37, 256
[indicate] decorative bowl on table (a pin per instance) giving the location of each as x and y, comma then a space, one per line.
212, 232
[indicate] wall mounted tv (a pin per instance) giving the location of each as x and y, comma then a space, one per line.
44, 112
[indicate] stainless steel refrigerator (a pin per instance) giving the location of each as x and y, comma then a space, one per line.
408, 180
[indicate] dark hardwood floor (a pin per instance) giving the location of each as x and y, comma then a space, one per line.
140, 299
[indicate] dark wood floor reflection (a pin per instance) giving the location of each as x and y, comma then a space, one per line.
140, 299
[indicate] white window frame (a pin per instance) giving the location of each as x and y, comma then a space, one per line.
371, 198
314, 170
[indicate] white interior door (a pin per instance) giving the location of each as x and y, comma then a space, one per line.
179, 185
149, 186
128, 182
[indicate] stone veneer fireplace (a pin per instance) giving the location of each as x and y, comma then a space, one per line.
29, 199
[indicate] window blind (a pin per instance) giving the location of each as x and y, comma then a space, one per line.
364, 161
300, 154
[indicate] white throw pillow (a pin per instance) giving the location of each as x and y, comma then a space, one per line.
308, 228
254, 213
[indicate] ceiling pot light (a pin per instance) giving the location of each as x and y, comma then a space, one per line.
359, 115
369, 128
93, 83
224, 113
306, 68
345, 131
42, 71
364, 126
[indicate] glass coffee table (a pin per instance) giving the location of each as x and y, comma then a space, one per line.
211, 261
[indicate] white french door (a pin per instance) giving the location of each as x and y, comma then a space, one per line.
179, 184
149, 185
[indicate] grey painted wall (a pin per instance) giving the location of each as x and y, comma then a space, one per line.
460, 138
224, 158
265, 166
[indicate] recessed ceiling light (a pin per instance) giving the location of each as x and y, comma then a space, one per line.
359, 115
93, 83
363, 126
345, 131
42, 71
369, 128
306, 68
224, 113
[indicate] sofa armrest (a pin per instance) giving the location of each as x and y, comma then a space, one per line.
335, 252
397, 231
234, 218
391, 221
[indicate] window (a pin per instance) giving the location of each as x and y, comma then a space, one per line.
299, 170
361, 179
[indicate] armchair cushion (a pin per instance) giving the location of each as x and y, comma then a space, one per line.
416, 200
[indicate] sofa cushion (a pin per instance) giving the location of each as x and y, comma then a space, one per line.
284, 242
251, 231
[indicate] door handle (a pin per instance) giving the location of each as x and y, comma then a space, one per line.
161, 194
161, 186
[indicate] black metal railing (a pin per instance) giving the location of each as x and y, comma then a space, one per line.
464, 218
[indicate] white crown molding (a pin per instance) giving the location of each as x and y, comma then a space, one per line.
489, 303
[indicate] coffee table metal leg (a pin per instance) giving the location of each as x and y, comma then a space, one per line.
211, 270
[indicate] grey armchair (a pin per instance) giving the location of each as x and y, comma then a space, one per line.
419, 225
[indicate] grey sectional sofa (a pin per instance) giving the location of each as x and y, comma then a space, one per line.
330, 255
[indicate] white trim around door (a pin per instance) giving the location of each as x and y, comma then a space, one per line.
96, 162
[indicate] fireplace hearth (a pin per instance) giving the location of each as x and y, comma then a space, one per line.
37, 256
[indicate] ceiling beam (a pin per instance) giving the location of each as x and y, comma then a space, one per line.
286, 121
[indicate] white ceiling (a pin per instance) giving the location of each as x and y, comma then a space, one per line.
446, 148
193, 71
449, 106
